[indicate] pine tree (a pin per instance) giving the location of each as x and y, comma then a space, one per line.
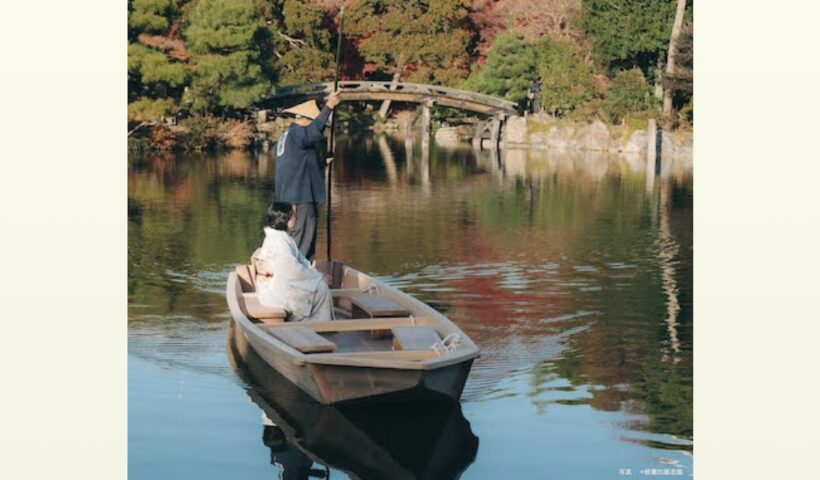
428, 40
156, 77
510, 70
629, 33
303, 44
224, 37
151, 16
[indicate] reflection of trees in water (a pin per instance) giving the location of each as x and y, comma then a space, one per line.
554, 210
389, 160
637, 356
667, 255
192, 218
189, 215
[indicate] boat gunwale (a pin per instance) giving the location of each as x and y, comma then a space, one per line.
467, 351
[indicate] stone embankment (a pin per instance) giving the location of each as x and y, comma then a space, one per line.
540, 133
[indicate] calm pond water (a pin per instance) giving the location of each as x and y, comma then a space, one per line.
572, 273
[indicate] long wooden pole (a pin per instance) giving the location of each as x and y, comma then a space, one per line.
332, 140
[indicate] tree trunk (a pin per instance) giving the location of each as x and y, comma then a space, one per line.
659, 81
393, 84
671, 54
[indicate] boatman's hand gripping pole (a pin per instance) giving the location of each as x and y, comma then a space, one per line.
331, 143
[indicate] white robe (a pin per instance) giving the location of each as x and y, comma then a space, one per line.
295, 285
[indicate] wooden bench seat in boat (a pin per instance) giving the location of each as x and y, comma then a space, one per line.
261, 312
375, 306
303, 339
362, 324
414, 338
253, 307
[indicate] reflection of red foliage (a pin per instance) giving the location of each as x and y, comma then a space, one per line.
163, 164
490, 304
181, 193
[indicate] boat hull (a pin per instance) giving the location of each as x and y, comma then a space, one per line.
434, 440
351, 377
332, 384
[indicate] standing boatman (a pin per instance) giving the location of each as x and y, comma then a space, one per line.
299, 179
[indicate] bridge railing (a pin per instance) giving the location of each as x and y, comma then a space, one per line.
403, 91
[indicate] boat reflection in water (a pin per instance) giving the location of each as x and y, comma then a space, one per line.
390, 441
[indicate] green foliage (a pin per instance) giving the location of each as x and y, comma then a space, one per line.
304, 20
305, 65
307, 53
628, 95
222, 26
628, 33
680, 83
226, 81
426, 38
589, 110
510, 70
214, 57
567, 80
228, 74
151, 15
155, 83
155, 67
147, 109
155, 80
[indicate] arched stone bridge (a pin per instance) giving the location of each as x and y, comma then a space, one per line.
494, 110
397, 92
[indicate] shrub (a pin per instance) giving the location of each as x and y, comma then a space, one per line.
510, 70
201, 133
161, 137
210, 133
686, 116
628, 95
567, 80
236, 133
589, 110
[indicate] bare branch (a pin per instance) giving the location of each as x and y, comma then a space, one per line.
294, 42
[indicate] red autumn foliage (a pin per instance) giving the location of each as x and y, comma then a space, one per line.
170, 43
161, 138
533, 18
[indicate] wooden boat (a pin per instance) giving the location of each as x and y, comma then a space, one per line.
384, 345
372, 441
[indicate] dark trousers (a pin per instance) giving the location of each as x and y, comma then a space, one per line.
304, 231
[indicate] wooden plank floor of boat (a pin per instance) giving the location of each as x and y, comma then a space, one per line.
358, 341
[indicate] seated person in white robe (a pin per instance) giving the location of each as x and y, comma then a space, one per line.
285, 278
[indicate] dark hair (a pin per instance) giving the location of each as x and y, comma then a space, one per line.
278, 215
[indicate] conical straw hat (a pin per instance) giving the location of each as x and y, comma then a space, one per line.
307, 109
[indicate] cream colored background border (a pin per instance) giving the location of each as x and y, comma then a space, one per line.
63, 194
63, 407
757, 238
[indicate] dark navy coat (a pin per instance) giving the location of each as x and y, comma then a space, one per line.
299, 176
